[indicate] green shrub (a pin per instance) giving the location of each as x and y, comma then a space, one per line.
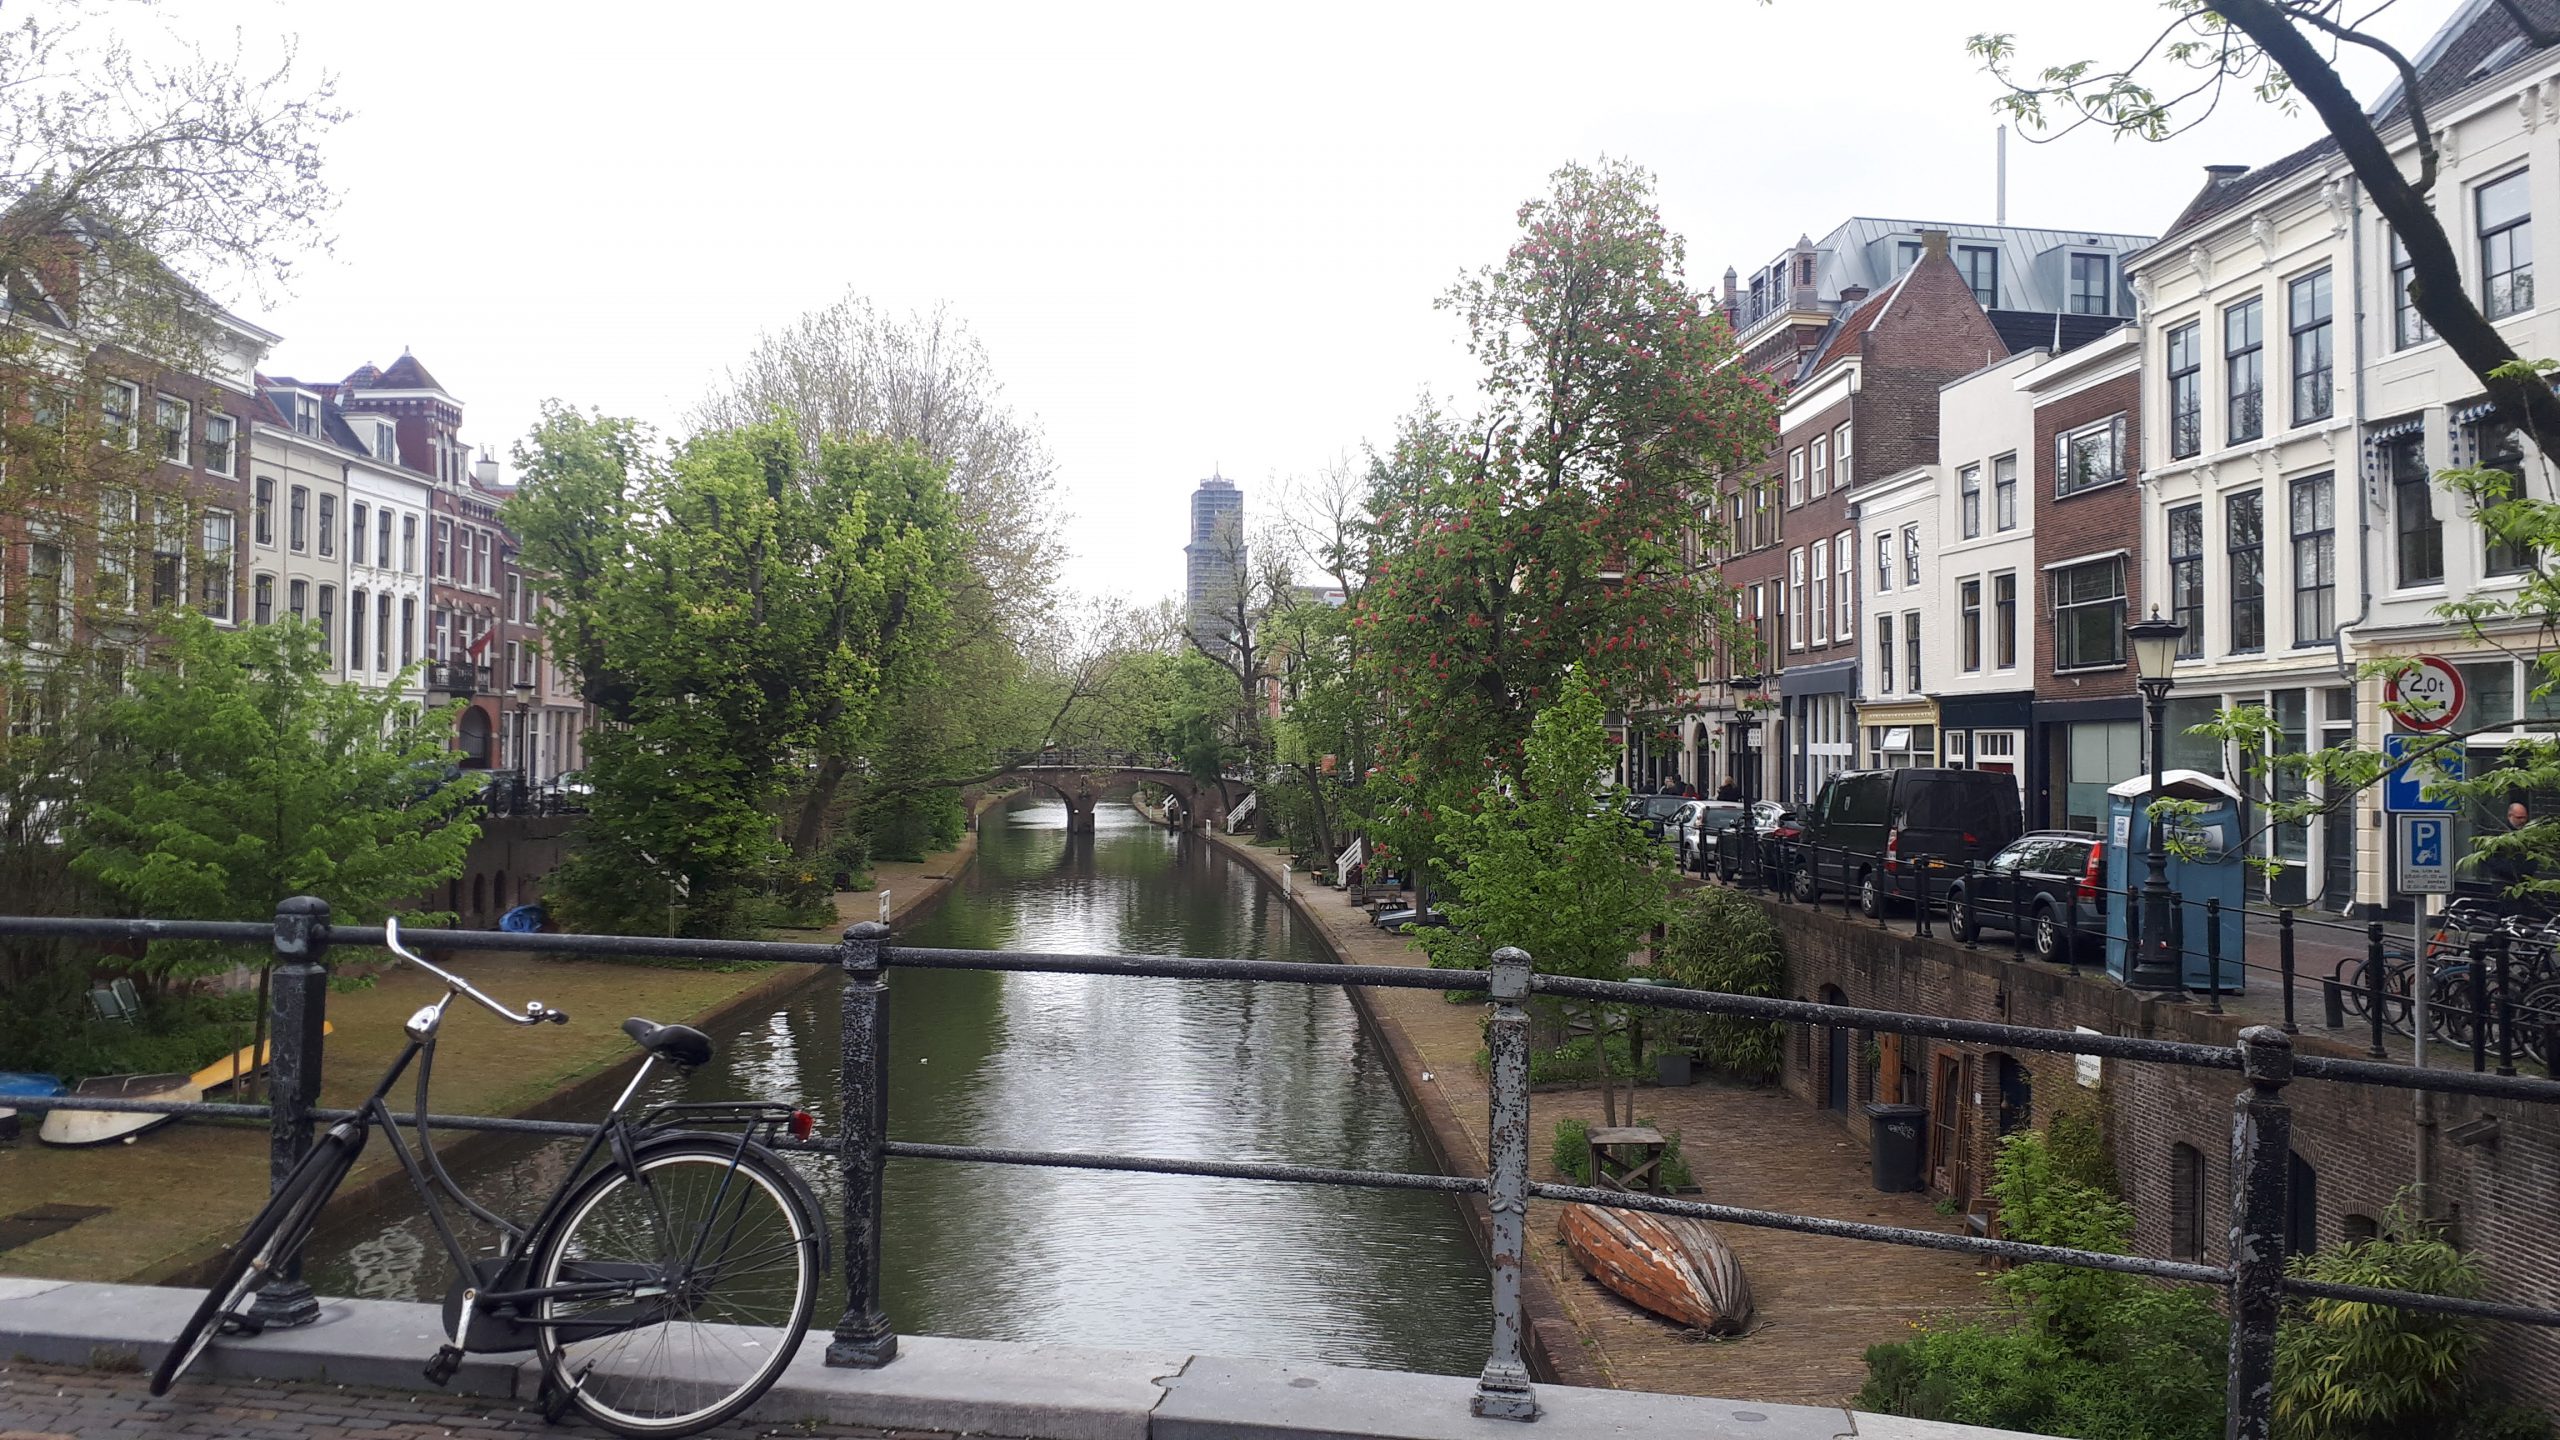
2351, 1371
1720, 940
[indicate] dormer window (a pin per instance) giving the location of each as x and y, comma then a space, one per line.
306, 415
2092, 285
386, 440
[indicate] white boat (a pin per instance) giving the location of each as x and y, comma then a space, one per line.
97, 1127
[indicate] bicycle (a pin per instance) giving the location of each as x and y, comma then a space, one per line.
650, 1284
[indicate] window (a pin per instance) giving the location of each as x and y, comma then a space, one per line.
2244, 371
2186, 391
328, 616
2088, 614
48, 610
1906, 253
2307, 315
1910, 554
515, 600
2408, 327
1980, 266
2505, 212
444, 550
1884, 654
171, 422
440, 644
1840, 453
1969, 500
1844, 550
168, 555
408, 542
2186, 577
297, 598
262, 599
112, 578
359, 517
480, 571
2315, 562
408, 631
1969, 623
214, 585
1760, 526
220, 432
2243, 534
297, 530
2004, 491
2186, 1203
1884, 560
119, 414
2418, 532
356, 611
2089, 457
263, 512
2498, 449
2091, 292
382, 537
306, 414
1911, 651
382, 631
1821, 588
1795, 599
2004, 620
1820, 450
328, 524
1795, 476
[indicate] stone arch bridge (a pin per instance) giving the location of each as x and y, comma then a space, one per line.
1085, 777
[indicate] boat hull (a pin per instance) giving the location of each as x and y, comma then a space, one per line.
1673, 1266
103, 1127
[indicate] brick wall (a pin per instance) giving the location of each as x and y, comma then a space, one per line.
1933, 332
2359, 1142
2093, 521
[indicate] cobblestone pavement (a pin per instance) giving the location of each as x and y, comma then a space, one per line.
43, 1402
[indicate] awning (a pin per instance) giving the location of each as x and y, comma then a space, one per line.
2394, 429
2474, 411
1900, 712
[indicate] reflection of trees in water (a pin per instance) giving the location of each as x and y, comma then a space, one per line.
390, 1251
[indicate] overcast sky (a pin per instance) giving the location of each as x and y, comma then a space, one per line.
1189, 236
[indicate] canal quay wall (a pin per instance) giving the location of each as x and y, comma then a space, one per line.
267, 1386
2168, 1128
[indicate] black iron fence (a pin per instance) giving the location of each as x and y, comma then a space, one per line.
2263, 1057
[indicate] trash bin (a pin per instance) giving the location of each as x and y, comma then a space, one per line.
1894, 1146
1672, 1067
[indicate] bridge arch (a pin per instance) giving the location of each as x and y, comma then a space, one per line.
1084, 778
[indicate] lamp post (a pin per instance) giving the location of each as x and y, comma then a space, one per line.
1747, 771
2156, 966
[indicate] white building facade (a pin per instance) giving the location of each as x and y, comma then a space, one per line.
1985, 566
387, 519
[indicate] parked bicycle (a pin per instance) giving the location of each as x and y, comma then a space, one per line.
665, 1283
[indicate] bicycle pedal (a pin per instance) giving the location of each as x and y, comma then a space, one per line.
445, 1366
236, 1322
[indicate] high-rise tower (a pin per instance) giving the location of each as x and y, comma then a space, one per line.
1215, 558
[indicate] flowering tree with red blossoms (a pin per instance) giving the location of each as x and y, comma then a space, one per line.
1552, 527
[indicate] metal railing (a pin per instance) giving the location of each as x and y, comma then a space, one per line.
2264, 1058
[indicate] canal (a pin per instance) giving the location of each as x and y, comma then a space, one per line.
1225, 1070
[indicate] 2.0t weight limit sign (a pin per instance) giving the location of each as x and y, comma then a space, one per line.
2430, 692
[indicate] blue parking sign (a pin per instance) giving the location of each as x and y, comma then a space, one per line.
2401, 787
2426, 855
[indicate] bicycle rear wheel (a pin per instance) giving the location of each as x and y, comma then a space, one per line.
265, 1247
721, 1265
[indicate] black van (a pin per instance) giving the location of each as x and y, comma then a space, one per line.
1866, 828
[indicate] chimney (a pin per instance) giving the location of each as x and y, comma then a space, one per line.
1933, 244
484, 472
1851, 295
2216, 175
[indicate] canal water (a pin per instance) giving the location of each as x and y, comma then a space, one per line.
1226, 1070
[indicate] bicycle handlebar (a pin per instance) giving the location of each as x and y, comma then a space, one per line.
535, 1012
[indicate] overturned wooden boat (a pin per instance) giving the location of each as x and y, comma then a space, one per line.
1672, 1265
100, 1127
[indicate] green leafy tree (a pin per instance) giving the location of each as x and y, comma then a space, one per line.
1545, 531
239, 773
2346, 1370
745, 617
1721, 940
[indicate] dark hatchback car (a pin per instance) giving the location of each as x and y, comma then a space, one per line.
2038, 880
1655, 813
1870, 830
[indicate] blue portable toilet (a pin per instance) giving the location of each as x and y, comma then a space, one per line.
2218, 874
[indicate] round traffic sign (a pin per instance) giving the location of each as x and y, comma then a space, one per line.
2430, 692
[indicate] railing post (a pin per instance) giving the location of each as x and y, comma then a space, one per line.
1972, 917
1920, 896
1876, 877
2261, 1157
2018, 918
297, 1003
2373, 987
863, 1338
1503, 1391
2479, 1010
2284, 964
2506, 1017
2212, 955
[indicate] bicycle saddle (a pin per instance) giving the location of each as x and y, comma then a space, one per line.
681, 1044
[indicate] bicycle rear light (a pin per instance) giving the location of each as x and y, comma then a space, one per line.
802, 1124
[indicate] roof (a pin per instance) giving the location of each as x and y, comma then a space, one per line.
405, 374
2023, 330
1846, 327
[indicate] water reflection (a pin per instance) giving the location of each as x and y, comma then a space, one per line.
1227, 1071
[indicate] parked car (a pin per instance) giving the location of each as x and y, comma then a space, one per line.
2037, 879
1773, 831
1869, 830
1655, 813
1392, 921
1701, 821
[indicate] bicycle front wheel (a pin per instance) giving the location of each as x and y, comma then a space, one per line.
714, 1265
264, 1249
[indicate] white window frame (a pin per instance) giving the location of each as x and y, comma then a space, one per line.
1884, 562
132, 394
186, 428
1795, 477
1844, 546
1821, 587
1819, 466
1795, 598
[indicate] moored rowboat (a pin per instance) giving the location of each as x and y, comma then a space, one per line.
98, 1127
1674, 1266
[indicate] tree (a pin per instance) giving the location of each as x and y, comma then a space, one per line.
239, 773
745, 617
2285, 51
1544, 532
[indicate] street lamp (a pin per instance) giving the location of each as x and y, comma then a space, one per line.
2155, 655
1746, 761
